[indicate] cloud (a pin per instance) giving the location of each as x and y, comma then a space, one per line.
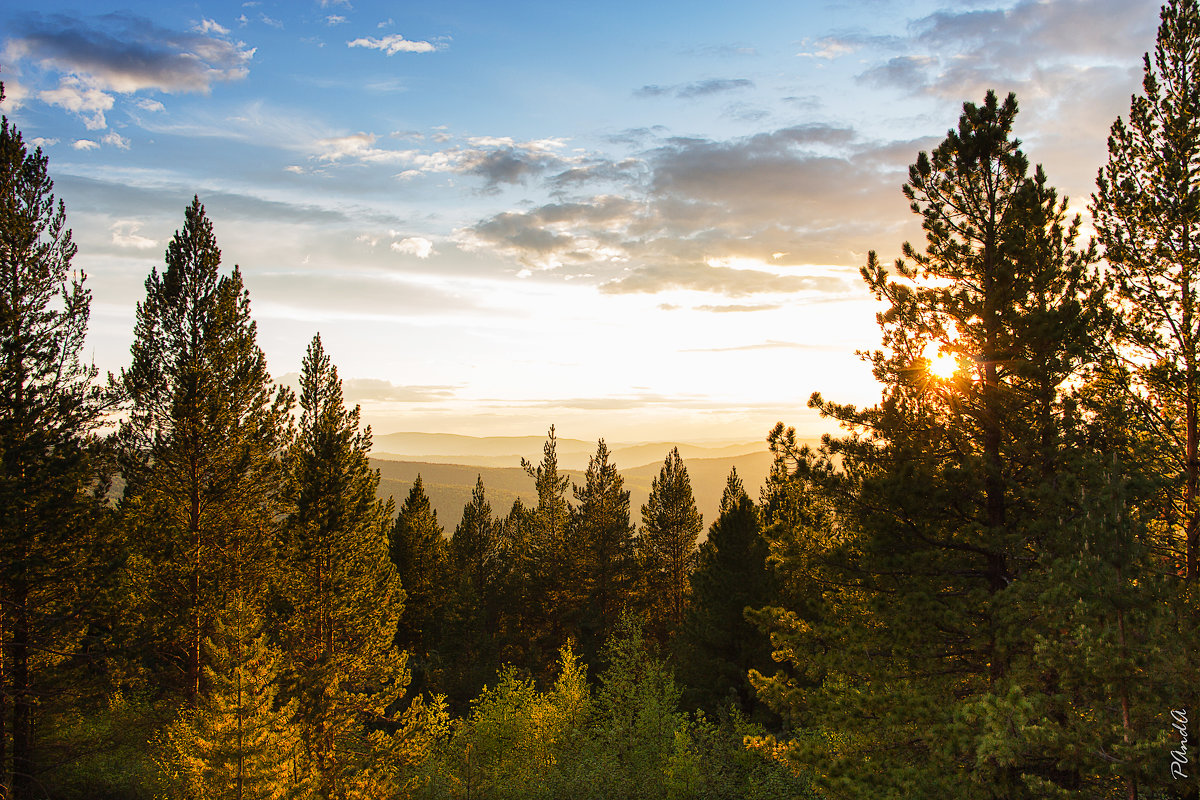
686, 214
84, 144
116, 140
736, 309
146, 104
360, 390
392, 44
42, 142
497, 160
125, 234
720, 280
687, 91
959, 53
124, 53
414, 246
208, 26
334, 19
87, 101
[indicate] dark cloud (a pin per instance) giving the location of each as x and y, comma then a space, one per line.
126, 53
510, 165
686, 213
688, 91
958, 53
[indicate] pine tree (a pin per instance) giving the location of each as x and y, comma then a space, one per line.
1147, 215
548, 564
419, 553
604, 541
965, 505
200, 446
342, 592
473, 615
52, 510
717, 645
667, 544
240, 744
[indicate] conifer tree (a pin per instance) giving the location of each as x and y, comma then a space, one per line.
474, 613
200, 446
52, 510
1147, 214
964, 507
717, 645
549, 565
419, 553
667, 544
239, 745
342, 592
603, 537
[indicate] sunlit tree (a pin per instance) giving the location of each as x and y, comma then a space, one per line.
52, 510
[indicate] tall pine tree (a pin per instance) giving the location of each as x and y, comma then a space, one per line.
965, 505
717, 645
667, 545
604, 541
52, 510
418, 551
343, 596
200, 447
1147, 214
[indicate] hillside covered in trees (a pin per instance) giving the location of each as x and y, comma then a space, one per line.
985, 588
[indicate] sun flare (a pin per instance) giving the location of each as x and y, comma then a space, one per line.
941, 364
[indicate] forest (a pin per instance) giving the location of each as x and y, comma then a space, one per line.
988, 586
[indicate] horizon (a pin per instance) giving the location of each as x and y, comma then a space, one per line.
492, 235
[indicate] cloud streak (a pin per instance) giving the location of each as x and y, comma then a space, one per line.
392, 44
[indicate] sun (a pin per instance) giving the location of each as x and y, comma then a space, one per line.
941, 364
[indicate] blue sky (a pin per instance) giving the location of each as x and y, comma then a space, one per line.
637, 221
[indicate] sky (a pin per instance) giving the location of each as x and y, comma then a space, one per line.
642, 221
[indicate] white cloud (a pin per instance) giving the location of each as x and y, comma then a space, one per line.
116, 140
84, 144
146, 104
43, 142
207, 26
14, 94
87, 101
125, 234
414, 246
395, 43
335, 19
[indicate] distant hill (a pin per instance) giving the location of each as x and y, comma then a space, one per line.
507, 451
449, 486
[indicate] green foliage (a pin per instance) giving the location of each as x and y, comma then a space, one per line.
934, 656
341, 592
1147, 215
667, 545
717, 645
240, 743
419, 553
469, 646
54, 522
199, 448
605, 546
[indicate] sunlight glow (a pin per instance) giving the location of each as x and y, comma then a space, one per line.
941, 364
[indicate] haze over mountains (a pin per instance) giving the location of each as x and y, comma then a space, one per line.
449, 464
